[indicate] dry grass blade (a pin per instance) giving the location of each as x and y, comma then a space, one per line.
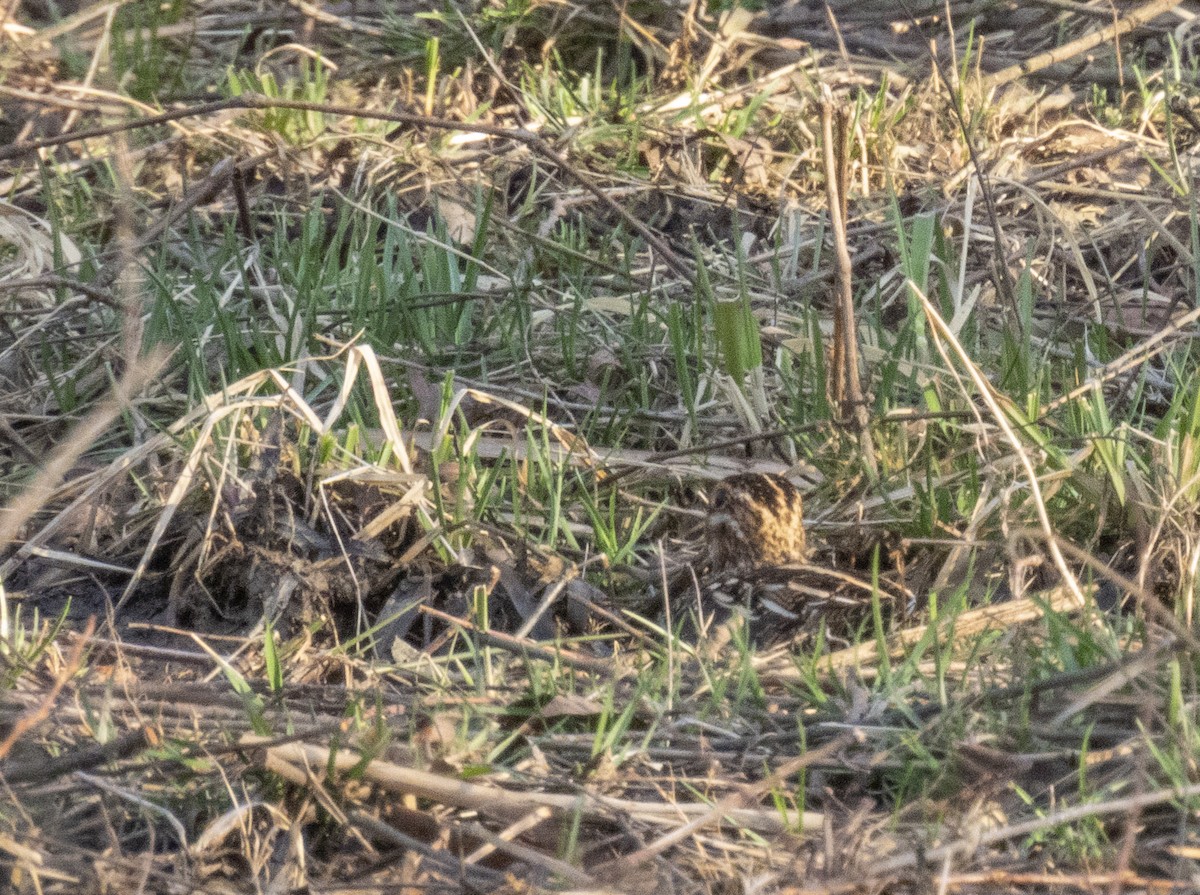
40, 490
719, 811
1130, 360
364, 355
967, 626
987, 393
28, 721
1078, 47
504, 803
1051, 819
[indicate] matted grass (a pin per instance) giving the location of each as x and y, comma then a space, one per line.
362, 370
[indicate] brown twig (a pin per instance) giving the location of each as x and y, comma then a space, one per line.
845, 387
1139, 16
41, 770
91, 290
746, 796
496, 801
42, 711
525, 647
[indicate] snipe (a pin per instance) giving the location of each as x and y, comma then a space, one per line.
757, 550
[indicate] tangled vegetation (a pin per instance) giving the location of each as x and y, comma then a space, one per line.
364, 367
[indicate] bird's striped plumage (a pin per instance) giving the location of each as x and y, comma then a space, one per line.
757, 570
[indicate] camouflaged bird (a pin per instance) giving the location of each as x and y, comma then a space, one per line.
757, 570
755, 519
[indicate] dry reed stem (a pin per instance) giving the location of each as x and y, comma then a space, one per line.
1078, 47
846, 391
1085, 882
845, 386
966, 625
503, 803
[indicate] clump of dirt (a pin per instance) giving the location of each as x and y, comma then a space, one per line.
296, 547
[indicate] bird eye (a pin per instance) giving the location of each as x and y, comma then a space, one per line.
720, 498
